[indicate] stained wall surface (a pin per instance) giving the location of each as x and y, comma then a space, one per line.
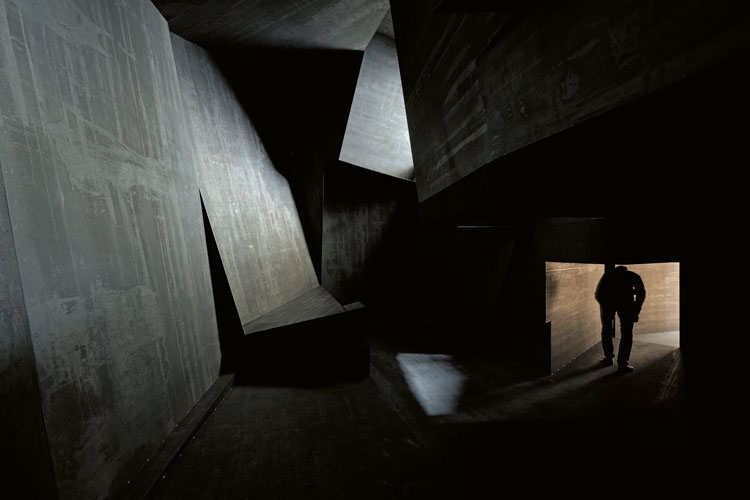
301, 126
572, 310
249, 203
25, 458
377, 135
481, 85
369, 224
661, 310
106, 216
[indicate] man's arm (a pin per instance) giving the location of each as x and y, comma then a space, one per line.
601, 293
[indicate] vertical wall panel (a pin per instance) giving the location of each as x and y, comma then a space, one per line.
369, 239
106, 216
298, 102
25, 454
480, 85
249, 203
661, 310
377, 135
572, 309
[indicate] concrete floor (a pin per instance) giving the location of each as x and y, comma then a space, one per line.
666, 338
442, 425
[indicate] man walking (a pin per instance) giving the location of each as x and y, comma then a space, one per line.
620, 291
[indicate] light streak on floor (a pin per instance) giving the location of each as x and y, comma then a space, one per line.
666, 338
435, 382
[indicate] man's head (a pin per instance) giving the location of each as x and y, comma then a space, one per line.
621, 269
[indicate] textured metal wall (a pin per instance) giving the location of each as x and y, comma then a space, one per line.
369, 236
106, 215
572, 310
377, 135
301, 126
481, 85
25, 458
249, 203
661, 310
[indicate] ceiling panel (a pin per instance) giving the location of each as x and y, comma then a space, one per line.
300, 24
386, 27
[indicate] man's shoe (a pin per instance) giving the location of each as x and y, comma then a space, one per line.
607, 362
626, 368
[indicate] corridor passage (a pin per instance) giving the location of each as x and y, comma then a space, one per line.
377, 439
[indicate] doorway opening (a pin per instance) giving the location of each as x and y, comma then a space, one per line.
572, 313
659, 321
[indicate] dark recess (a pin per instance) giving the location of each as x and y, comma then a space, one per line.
371, 236
311, 353
228, 319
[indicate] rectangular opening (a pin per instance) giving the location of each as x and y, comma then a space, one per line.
572, 311
659, 321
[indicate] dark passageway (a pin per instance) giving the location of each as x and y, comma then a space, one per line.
348, 248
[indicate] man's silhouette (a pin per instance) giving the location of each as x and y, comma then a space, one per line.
620, 291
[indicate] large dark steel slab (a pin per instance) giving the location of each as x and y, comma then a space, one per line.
249, 203
106, 217
480, 85
301, 126
377, 134
369, 236
313, 304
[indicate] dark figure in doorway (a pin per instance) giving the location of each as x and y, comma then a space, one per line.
620, 291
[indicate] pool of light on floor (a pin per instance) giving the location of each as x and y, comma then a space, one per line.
434, 380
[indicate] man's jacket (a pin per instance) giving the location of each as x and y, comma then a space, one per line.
621, 290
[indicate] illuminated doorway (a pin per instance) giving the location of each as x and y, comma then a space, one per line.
659, 321
572, 313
